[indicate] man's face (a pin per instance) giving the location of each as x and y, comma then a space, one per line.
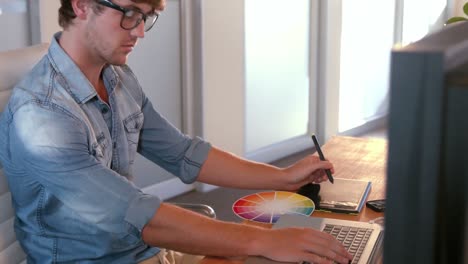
107, 40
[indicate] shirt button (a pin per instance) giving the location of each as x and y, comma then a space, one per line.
104, 110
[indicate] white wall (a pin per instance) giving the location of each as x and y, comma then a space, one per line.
14, 25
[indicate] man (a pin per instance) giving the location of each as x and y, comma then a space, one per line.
68, 140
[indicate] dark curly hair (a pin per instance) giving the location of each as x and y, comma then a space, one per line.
66, 13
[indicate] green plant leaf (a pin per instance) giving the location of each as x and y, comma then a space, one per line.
455, 19
465, 8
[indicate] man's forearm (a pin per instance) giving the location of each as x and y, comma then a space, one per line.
226, 169
178, 229
182, 230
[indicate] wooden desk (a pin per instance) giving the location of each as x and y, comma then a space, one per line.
353, 158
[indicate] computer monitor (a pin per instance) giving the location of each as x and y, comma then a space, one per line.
427, 171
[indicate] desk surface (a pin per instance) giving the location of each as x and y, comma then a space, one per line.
353, 158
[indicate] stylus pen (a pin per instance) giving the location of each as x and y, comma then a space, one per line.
319, 151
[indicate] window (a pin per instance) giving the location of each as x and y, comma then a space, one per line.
366, 39
369, 29
277, 71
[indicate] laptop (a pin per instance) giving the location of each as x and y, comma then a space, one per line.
362, 240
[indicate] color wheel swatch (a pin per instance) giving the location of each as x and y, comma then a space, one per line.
267, 207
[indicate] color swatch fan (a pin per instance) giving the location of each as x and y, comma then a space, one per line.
267, 207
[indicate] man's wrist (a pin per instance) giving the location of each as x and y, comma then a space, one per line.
260, 238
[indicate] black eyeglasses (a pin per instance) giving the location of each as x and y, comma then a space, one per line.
131, 17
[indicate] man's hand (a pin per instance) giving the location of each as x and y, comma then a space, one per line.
301, 244
308, 170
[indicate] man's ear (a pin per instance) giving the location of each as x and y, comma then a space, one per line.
81, 8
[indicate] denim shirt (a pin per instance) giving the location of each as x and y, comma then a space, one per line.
68, 158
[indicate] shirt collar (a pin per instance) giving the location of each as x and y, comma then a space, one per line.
76, 82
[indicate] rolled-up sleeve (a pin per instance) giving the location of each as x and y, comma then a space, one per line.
138, 214
54, 150
166, 146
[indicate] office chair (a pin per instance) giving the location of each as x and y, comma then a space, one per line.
13, 65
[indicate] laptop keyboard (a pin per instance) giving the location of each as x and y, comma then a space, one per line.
354, 239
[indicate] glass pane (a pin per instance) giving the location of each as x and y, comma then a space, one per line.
367, 38
277, 70
421, 17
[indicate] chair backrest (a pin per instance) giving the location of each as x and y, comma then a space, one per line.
13, 65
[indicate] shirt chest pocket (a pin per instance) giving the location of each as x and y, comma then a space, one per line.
133, 125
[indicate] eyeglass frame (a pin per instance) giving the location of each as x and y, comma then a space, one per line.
108, 3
